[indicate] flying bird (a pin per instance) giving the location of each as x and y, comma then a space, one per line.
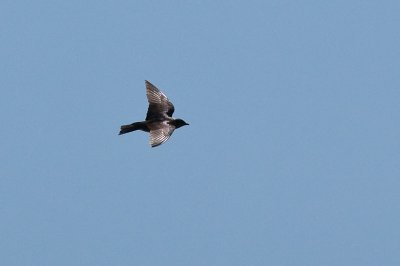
159, 121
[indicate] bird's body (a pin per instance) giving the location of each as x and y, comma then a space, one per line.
159, 121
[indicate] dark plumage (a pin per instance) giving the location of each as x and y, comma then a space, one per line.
159, 121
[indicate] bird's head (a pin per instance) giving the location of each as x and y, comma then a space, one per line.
179, 123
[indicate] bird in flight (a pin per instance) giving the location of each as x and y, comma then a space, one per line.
159, 121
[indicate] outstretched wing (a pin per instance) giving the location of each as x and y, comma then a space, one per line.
161, 134
159, 105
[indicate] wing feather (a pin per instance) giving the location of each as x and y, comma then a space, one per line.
161, 135
159, 105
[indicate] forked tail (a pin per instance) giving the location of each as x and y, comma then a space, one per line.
132, 127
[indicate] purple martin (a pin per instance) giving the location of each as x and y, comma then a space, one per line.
159, 121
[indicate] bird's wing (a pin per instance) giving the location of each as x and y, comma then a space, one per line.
159, 105
161, 134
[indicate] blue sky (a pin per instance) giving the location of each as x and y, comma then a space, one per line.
291, 157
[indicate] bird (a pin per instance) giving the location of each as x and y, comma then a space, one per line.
159, 121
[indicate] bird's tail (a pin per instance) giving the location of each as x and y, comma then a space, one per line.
132, 127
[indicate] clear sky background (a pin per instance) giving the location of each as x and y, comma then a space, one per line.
292, 156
